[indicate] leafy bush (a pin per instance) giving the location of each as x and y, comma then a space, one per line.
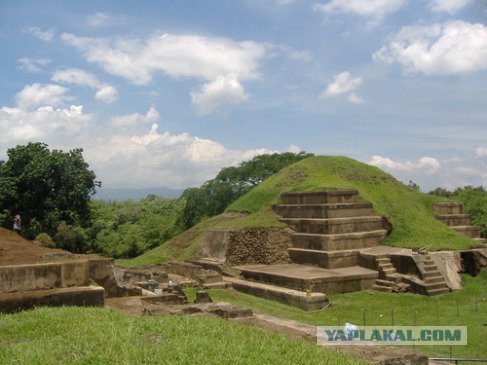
45, 240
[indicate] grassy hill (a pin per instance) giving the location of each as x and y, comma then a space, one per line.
409, 211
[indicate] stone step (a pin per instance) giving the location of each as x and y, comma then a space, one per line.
469, 231
217, 285
439, 291
301, 277
433, 286
335, 242
386, 289
455, 219
326, 259
480, 239
338, 210
320, 197
295, 298
432, 274
443, 208
86, 296
334, 225
436, 279
388, 271
388, 283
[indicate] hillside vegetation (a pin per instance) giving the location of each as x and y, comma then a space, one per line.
409, 210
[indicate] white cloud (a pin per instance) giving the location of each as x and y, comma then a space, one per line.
223, 63
98, 20
106, 93
224, 91
449, 6
355, 99
175, 55
438, 49
129, 152
41, 94
430, 173
43, 35
294, 148
155, 159
45, 123
375, 9
481, 152
344, 83
430, 164
33, 64
136, 119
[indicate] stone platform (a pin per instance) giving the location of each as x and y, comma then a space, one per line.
302, 277
296, 298
87, 296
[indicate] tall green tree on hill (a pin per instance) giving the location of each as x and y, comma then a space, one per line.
46, 188
215, 195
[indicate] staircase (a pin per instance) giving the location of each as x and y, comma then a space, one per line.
451, 213
330, 228
389, 279
433, 281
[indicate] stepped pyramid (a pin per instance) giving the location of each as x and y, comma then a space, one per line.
451, 213
330, 228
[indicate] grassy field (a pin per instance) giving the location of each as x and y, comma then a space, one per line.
409, 211
100, 336
466, 307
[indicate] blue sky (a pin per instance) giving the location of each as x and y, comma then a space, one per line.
165, 93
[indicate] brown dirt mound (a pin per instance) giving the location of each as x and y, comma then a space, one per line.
15, 250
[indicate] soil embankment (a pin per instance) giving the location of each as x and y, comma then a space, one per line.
16, 250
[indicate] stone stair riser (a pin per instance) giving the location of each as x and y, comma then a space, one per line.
447, 208
454, 220
317, 243
323, 259
469, 231
334, 227
319, 198
322, 211
320, 286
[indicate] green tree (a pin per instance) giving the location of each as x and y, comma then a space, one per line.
215, 195
46, 188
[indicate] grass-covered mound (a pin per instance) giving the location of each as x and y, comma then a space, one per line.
100, 336
409, 211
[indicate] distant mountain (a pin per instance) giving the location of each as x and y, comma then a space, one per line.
135, 194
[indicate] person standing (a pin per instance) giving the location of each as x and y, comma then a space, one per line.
17, 223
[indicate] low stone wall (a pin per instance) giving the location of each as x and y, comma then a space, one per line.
43, 276
192, 271
87, 296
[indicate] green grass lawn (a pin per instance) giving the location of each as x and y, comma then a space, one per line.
382, 309
409, 211
100, 336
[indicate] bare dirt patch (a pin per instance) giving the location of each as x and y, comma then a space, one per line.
16, 250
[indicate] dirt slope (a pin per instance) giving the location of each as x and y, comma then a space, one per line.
16, 250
